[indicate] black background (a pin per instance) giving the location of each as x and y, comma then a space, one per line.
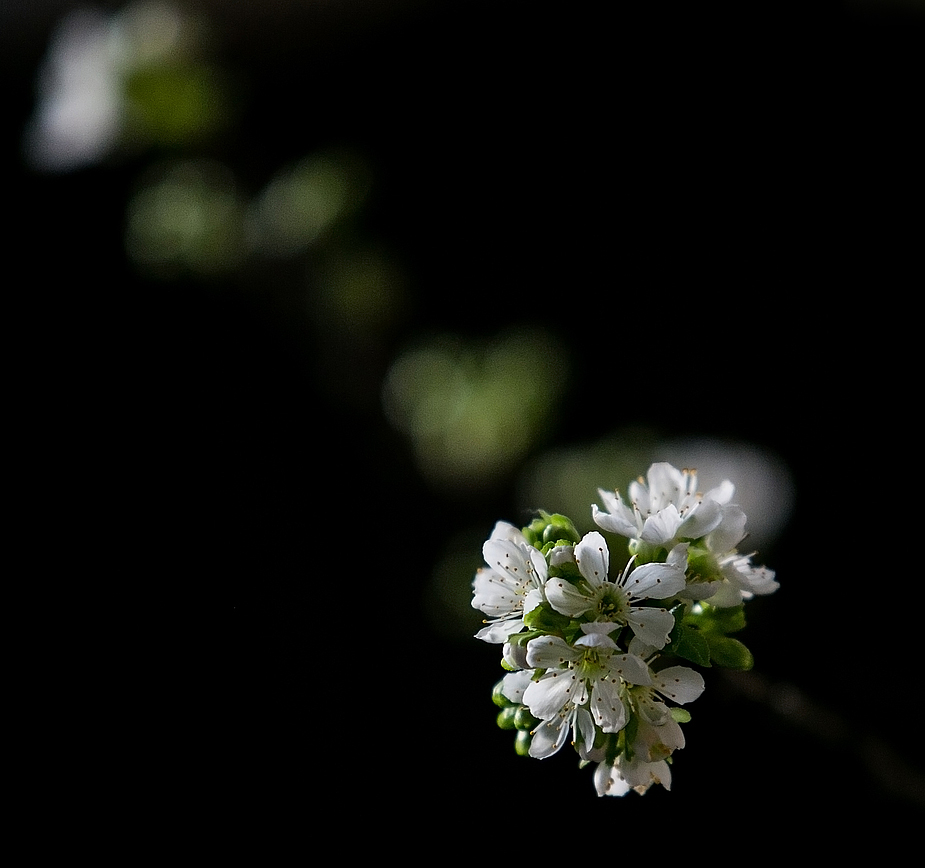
718, 209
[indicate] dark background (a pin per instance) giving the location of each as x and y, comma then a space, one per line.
716, 209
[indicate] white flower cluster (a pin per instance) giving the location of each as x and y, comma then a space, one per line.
594, 659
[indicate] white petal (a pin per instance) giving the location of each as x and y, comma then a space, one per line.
749, 579
700, 591
499, 631
562, 555
630, 668
759, 580
727, 595
608, 782
666, 485
618, 511
730, 532
607, 706
548, 737
550, 652
723, 493
679, 684
514, 656
701, 520
566, 599
659, 741
661, 774
677, 557
654, 580
508, 559
505, 530
545, 698
662, 527
532, 600
651, 708
585, 726
593, 558
604, 627
494, 594
595, 638
639, 497
614, 522
638, 648
651, 625
514, 684
538, 565
641, 775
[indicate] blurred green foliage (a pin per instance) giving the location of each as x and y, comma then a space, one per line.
474, 409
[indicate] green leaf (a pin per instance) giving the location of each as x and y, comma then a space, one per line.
546, 619
690, 644
729, 620
731, 653
715, 620
680, 715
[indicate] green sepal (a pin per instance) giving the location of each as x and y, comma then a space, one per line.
628, 736
520, 639
567, 570
680, 715
729, 652
702, 565
506, 716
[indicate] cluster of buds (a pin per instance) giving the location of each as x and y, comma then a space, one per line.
601, 660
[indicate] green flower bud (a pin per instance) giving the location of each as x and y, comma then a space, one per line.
498, 697
523, 720
522, 742
552, 528
506, 717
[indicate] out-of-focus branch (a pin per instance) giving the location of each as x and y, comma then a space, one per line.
790, 703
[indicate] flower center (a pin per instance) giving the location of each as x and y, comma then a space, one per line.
646, 702
612, 604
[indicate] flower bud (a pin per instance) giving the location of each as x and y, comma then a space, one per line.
522, 742
523, 720
506, 717
498, 697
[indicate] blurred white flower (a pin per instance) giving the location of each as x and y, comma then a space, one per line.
78, 115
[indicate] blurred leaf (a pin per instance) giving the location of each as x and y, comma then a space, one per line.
730, 653
689, 643
177, 105
186, 217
